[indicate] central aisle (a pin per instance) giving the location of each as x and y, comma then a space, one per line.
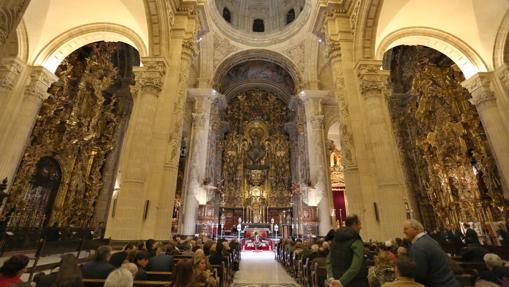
260, 268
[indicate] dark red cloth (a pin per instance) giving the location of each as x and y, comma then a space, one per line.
9, 281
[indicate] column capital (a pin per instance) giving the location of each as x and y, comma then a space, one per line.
316, 121
150, 77
40, 80
199, 120
372, 79
10, 69
503, 74
479, 87
333, 49
206, 96
313, 100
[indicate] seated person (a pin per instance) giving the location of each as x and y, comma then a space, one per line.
473, 253
405, 273
99, 268
141, 261
497, 272
201, 274
119, 258
12, 269
161, 262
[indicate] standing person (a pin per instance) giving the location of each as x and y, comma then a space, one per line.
12, 270
432, 266
470, 235
346, 266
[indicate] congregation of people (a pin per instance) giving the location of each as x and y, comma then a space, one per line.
415, 261
188, 261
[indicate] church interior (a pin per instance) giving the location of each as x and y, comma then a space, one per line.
261, 123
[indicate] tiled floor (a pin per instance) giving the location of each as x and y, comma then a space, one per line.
260, 269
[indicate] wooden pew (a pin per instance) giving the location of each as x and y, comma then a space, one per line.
147, 283
159, 276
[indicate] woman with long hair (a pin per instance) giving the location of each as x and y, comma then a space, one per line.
184, 274
201, 274
69, 274
12, 270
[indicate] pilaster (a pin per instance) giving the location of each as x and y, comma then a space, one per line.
486, 103
391, 188
35, 92
196, 194
12, 11
133, 196
319, 192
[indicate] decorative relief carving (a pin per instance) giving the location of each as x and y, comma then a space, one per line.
333, 49
10, 71
355, 14
150, 77
10, 15
317, 122
199, 120
479, 88
297, 54
373, 81
40, 80
222, 48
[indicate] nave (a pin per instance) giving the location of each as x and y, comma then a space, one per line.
259, 269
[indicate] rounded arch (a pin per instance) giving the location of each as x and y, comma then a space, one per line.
258, 54
458, 51
60, 47
501, 50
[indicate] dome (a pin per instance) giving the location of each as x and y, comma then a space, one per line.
260, 16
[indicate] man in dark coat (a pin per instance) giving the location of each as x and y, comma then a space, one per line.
432, 267
118, 258
470, 235
346, 266
161, 262
99, 268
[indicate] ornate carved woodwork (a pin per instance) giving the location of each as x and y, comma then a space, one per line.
78, 126
256, 152
446, 155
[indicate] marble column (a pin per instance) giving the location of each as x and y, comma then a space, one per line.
134, 165
19, 132
319, 193
485, 102
11, 12
196, 194
387, 165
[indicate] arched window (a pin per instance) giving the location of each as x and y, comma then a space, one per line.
258, 25
290, 16
227, 15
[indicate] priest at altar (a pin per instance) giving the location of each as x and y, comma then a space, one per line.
256, 238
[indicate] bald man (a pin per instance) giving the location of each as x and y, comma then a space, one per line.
432, 267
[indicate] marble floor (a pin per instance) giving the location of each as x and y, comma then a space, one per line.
260, 269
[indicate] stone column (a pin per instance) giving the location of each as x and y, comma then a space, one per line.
485, 102
196, 194
502, 93
319, 192
11, 12
387, 165
134, 166
19, 133
10, 74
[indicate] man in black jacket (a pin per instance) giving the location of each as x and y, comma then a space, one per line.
99, 268
346, 266
432, 267
470, 235
161, 262
118, 258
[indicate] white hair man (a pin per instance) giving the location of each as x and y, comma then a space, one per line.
432, 267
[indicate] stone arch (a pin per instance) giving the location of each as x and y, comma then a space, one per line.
258, 54
60, 47
16, 45
501, 50
458, 51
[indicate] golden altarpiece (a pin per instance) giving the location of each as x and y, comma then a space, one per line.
70, 161
447, 157
256, 156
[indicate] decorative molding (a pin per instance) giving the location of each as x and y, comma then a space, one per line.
297, 54
373, 81
40, 80
479, 88
222, 49
150, 77
10, 70
502, 73
199, 120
